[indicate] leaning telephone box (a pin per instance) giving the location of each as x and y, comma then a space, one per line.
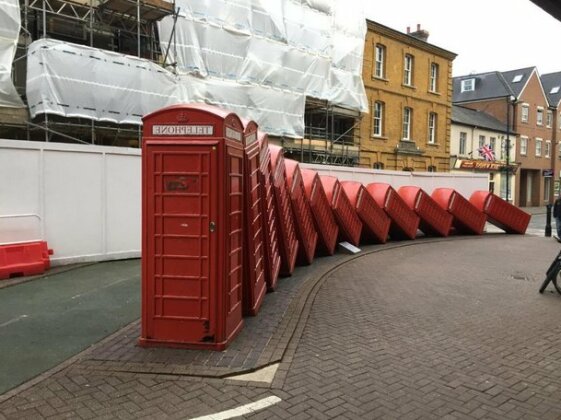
500, 212
324, 221
467, 218
288, 243
270, 220
404, 220
303, 219
254, 286
434, 219
375, 222
192, 227
350, 225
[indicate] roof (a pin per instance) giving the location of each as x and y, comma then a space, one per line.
493, 85
517, 79
409, 39
487, 86
474, 118
550, 6
550, 81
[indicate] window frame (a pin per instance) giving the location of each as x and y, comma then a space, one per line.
408, 61
378, 118
539, 115
523, 146
482, 140
539, 150
381, 69
549, 118
547, 151
467, 85
407, 112
432, 126
433, 77
462, 144
493, 146
525, 113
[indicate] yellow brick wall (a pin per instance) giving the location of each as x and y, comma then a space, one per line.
396, 96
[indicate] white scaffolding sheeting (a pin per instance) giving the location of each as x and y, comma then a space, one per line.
78, 81
9, 32
259, 58
310, 47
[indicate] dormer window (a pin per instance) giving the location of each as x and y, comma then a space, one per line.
468, 85
555, 89
517, 78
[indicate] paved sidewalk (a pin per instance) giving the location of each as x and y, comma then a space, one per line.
430, 329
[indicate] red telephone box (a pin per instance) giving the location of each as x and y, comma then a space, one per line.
375, 222
350, 226
467, 218
254, 286
434, 219
287, 233
270, 220
500, 212
324, 221
305, 229
192, 227
404, 220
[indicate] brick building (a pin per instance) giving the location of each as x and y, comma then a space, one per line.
517, 98
552, 86
408, 85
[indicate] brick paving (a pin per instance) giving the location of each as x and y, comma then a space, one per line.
442, 329
263, 340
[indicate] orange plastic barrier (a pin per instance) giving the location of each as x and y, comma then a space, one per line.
467, 218
325, 223
288, 243
500, 212
24, 259
434, 219
269, 219
375, 221
405, 221
350, 226
305, 229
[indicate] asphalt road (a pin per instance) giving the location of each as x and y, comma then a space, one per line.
46, 321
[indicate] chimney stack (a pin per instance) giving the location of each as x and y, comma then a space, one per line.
421, 34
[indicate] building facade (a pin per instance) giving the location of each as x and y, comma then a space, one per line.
408, 85
517, 99
552, 86
477, 143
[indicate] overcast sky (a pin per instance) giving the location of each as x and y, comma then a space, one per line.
487, 35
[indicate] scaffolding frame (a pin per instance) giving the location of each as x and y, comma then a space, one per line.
136, 18
331, 135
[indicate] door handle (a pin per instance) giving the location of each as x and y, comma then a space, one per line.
212, 226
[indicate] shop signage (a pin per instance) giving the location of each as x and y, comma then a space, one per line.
481, 165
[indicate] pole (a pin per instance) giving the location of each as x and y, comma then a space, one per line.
548, 220
507, 146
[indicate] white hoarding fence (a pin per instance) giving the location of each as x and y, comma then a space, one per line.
465, 184
83, 200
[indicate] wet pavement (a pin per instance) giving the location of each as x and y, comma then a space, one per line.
432, 328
